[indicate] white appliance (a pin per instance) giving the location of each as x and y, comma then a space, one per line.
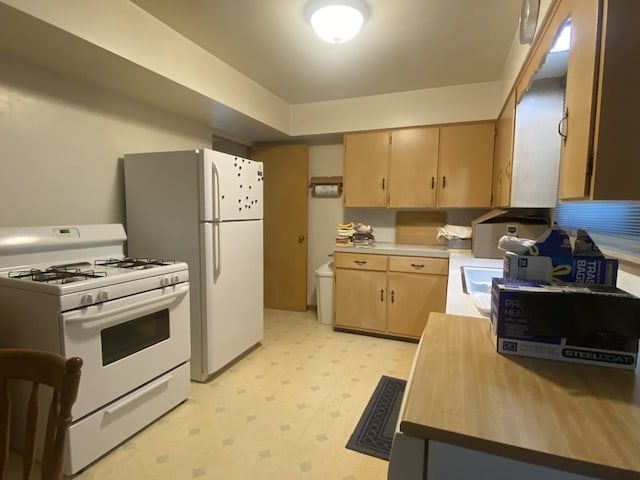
70, 290
204, 207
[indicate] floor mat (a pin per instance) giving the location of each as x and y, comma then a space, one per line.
374, 433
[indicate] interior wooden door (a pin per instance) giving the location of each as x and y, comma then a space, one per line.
411, 299
360, 299
466, 165
366, 157
413, 167
285, 224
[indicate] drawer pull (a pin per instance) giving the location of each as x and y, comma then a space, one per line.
417, 265
359, 262
382, 295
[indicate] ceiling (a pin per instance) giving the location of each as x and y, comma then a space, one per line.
404, 45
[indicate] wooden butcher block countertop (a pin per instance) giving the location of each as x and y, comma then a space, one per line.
578, 418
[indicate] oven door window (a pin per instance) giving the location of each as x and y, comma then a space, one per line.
130, 337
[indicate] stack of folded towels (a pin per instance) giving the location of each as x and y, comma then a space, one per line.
344, 237
358, 235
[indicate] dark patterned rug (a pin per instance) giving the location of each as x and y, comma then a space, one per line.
374, 433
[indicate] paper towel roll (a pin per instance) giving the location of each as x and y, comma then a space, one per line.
326, 191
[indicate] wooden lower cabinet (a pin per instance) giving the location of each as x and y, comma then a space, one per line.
411, 298
360, 299
394, 300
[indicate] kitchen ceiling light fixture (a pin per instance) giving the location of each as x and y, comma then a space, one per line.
337, 21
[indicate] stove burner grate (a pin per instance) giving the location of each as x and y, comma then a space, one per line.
60, 273
133, 262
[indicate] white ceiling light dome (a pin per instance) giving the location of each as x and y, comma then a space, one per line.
337, 21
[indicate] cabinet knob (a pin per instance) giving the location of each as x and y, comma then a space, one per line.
392, 296
433, 183
300, 238
383, 183
382, 295
444, 181
359, 262
417, 265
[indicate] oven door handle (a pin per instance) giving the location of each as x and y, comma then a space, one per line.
133, 310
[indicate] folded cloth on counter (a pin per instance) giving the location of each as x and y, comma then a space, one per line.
345, 226
363, 228
343, 242
354, 234
453, 232
346, 233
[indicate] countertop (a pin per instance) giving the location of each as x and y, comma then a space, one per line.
578, 418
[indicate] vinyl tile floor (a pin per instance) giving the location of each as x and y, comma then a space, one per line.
285, 411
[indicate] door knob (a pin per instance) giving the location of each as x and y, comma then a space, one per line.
300, 238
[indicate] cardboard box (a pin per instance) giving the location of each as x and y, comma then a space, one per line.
490, 227
594, 325
580, 270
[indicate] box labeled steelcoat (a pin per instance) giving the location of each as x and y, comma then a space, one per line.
597, 325
580, 270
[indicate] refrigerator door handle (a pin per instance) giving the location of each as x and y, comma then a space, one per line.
216, 194
217, 257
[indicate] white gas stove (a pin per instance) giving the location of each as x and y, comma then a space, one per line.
72, 291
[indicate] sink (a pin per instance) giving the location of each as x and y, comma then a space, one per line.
476, 281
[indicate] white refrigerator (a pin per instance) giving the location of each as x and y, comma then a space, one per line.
204, 207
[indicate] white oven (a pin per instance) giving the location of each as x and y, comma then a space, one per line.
126, 342
71, 291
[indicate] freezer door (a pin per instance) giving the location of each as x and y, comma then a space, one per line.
233, 292
231, 189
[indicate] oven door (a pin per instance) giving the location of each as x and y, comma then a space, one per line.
126, 343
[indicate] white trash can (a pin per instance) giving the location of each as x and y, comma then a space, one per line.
324, 292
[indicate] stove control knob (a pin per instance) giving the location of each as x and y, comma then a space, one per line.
175, 279
87, 299
164, 281
103, 296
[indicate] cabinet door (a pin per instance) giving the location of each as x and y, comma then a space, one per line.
466, 165
503, 155
413, 165
366, 158
411, 298
360, 299
580, 96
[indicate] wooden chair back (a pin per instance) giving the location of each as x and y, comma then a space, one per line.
39, 368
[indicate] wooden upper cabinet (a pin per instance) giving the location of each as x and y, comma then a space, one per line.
466, 165
503, 154
600, 155
413, 167
366, 157
580, 100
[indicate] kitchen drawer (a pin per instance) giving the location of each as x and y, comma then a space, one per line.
93, 436
432, 266
360, 261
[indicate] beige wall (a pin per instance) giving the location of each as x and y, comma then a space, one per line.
61, 144
324, 213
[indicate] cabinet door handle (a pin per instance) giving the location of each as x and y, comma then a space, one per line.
392, 296
433, 183
417, 265
383, 183
562, 126
444, 181
359, 262
381, 295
